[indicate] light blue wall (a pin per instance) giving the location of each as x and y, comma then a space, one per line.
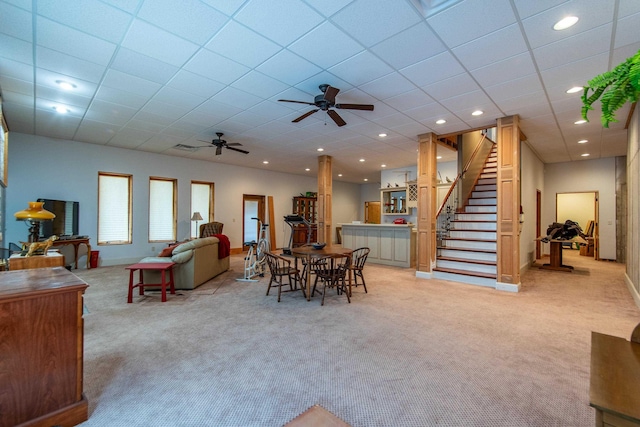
68, 170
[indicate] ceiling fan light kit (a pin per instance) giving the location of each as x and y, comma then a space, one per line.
325, 102
221, 143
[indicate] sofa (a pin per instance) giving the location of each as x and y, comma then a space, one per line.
197, 261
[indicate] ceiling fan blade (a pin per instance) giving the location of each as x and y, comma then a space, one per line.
330, 94
218, 150
233, 144
297, 102
238, 150
305, 115
336, 118
367, 107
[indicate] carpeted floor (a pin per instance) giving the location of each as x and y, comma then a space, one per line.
411, 352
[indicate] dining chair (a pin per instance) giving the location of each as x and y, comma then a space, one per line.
358, 258
332, 272
281, 267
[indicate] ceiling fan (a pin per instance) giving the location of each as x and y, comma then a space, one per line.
219, 143
326, 101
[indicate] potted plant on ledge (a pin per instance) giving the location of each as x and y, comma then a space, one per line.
614, 89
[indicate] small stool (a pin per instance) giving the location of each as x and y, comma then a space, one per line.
163, 267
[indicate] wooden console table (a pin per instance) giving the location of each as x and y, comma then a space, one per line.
18, 262
76, 243
615, 379
42, 348
555, 257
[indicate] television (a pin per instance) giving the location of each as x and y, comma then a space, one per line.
66, 221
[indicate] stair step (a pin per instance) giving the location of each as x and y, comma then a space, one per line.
476, 216
487, 201
466, 273
481, 194
468, 254
469, 244
468, 260
473, 234
485, 187
462, 224
488, 175
488, 181
473, 209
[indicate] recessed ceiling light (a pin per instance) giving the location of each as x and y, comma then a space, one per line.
477, 113
320, 149
366, 179
441, 122
585, 155
438, 157
579, 122
565, 23
383, 166
339, 174
382, 135
583, 141
65, 85
307, 169
266, 162
575, 89
60, 109
361, 160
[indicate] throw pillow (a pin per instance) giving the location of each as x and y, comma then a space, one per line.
168, 251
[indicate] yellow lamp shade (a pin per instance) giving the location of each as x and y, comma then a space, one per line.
35, 212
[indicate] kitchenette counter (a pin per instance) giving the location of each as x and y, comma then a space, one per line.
390, 244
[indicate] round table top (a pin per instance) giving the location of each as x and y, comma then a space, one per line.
310, 251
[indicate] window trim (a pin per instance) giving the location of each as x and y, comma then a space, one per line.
129, 240
174, 206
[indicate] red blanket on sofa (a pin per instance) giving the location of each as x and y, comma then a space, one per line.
224, 247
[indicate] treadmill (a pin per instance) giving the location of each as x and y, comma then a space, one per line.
292, 221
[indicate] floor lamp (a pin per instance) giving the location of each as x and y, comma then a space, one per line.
196, 217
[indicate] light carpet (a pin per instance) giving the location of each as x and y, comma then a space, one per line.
411, 352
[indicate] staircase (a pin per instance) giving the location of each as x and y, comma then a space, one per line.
468, 253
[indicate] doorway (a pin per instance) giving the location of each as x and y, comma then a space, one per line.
582, 208
253, 207
372, 212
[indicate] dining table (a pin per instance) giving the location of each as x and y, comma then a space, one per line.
309, 253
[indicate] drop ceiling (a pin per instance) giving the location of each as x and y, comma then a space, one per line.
152, 74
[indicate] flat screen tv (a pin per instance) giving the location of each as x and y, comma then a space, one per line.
66, 221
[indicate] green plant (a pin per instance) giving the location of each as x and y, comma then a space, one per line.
614, 88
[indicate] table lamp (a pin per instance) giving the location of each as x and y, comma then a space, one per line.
196, 217
35, 214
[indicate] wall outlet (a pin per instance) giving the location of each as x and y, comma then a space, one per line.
153, 248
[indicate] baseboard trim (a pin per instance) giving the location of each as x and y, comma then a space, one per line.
424, 274
507, 287
632, 289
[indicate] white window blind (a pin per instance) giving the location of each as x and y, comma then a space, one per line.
162, 217
114, 204
201, 200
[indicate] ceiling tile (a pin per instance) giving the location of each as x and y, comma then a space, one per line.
501, 71
447, 88
129, 6
361, 68
482, 51
73, 42
282, 21
526, 8
242, 45
388, 86
68, 65
236, 98
159, 44
95, 132
580, 46
296, 70
409, 100
94, 17
139, 65
190, 19
169, 95
192, 83
19, 70
511, 88
475, 17
259, 85
328, 8
387, 18
108, 112
16, 22
410, 46
128, 99
627, 30
216, 67
325, 46
576, 73
434, 69
15, 49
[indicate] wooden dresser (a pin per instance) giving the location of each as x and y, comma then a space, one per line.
41, 348
615, 379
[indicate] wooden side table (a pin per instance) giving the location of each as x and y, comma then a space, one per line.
163, 267
18, 262
615, 379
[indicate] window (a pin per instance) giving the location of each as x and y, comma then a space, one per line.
114, 208
162, 209
201, 201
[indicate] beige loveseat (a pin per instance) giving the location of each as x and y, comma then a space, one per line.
196, 262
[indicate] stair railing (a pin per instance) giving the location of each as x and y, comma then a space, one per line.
461, 189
